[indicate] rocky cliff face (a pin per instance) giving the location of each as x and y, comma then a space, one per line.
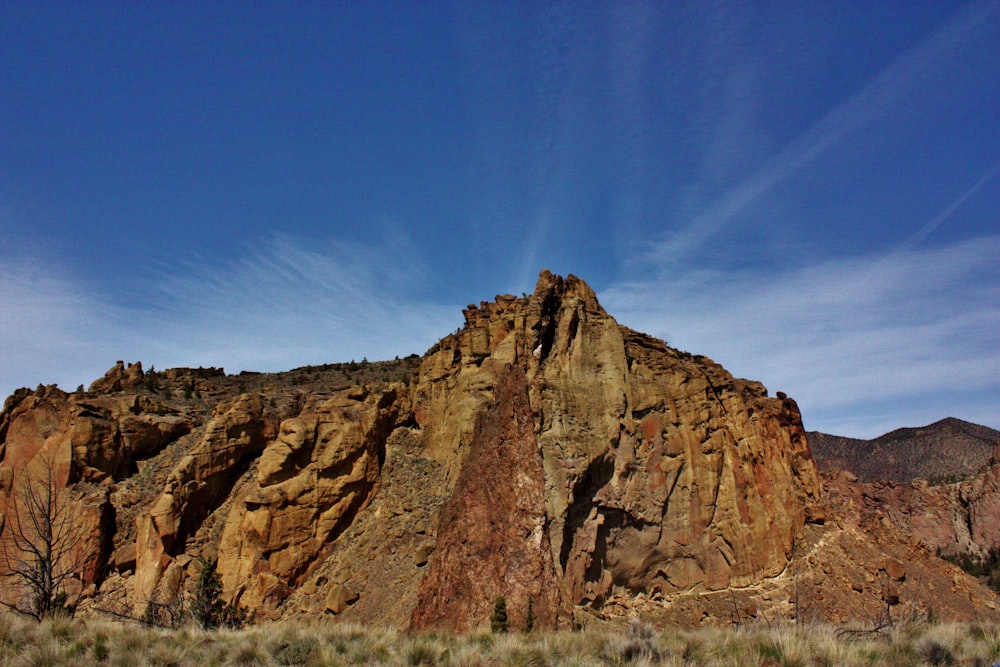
662, 473
950, 518
939, 483
543, 453
492, 537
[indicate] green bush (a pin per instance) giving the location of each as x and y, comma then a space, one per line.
498, 619
298, 651
208, 608
984, 567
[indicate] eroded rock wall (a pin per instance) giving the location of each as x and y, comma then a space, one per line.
954, 518
73, 446
198, 483
492, 537
311, 482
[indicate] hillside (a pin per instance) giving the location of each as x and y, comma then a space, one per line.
947, 450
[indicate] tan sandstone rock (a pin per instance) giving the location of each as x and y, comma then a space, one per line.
311, 482
237, 433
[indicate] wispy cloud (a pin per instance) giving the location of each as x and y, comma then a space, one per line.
282, 305
949, 210
864, 344
51, 329
290, 304
880, 94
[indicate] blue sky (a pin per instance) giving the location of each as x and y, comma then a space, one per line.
807, 194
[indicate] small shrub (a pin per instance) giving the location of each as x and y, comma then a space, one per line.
422, 652
637, 646
935, 653
152, 380
298, 651
249, 655
42, 655
498, 619
100, 648
208, 608
62, 628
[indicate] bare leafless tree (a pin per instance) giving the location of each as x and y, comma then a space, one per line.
40, 544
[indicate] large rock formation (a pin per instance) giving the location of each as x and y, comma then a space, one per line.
311, 482
940, 482
198, 483
543, 453
60, 453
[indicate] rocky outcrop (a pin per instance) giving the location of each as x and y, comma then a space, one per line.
543, 453
311, 482
956, 518
861, 565
492, 538
198, 483
120, 378
74, 445
982, 496
89, 437
662, 472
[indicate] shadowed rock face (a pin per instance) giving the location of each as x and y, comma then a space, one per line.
543, 453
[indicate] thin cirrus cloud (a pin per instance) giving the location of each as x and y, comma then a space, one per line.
880, 94
864, 344
56, 327
944, 215
284, 305
288, 305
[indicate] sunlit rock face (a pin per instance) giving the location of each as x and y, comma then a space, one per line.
542, 453
660, 472
311, 482
198, 483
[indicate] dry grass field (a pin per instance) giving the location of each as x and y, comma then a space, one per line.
60, 642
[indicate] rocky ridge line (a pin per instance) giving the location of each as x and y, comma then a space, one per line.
627, 476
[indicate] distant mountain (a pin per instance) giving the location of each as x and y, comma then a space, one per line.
946, 450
